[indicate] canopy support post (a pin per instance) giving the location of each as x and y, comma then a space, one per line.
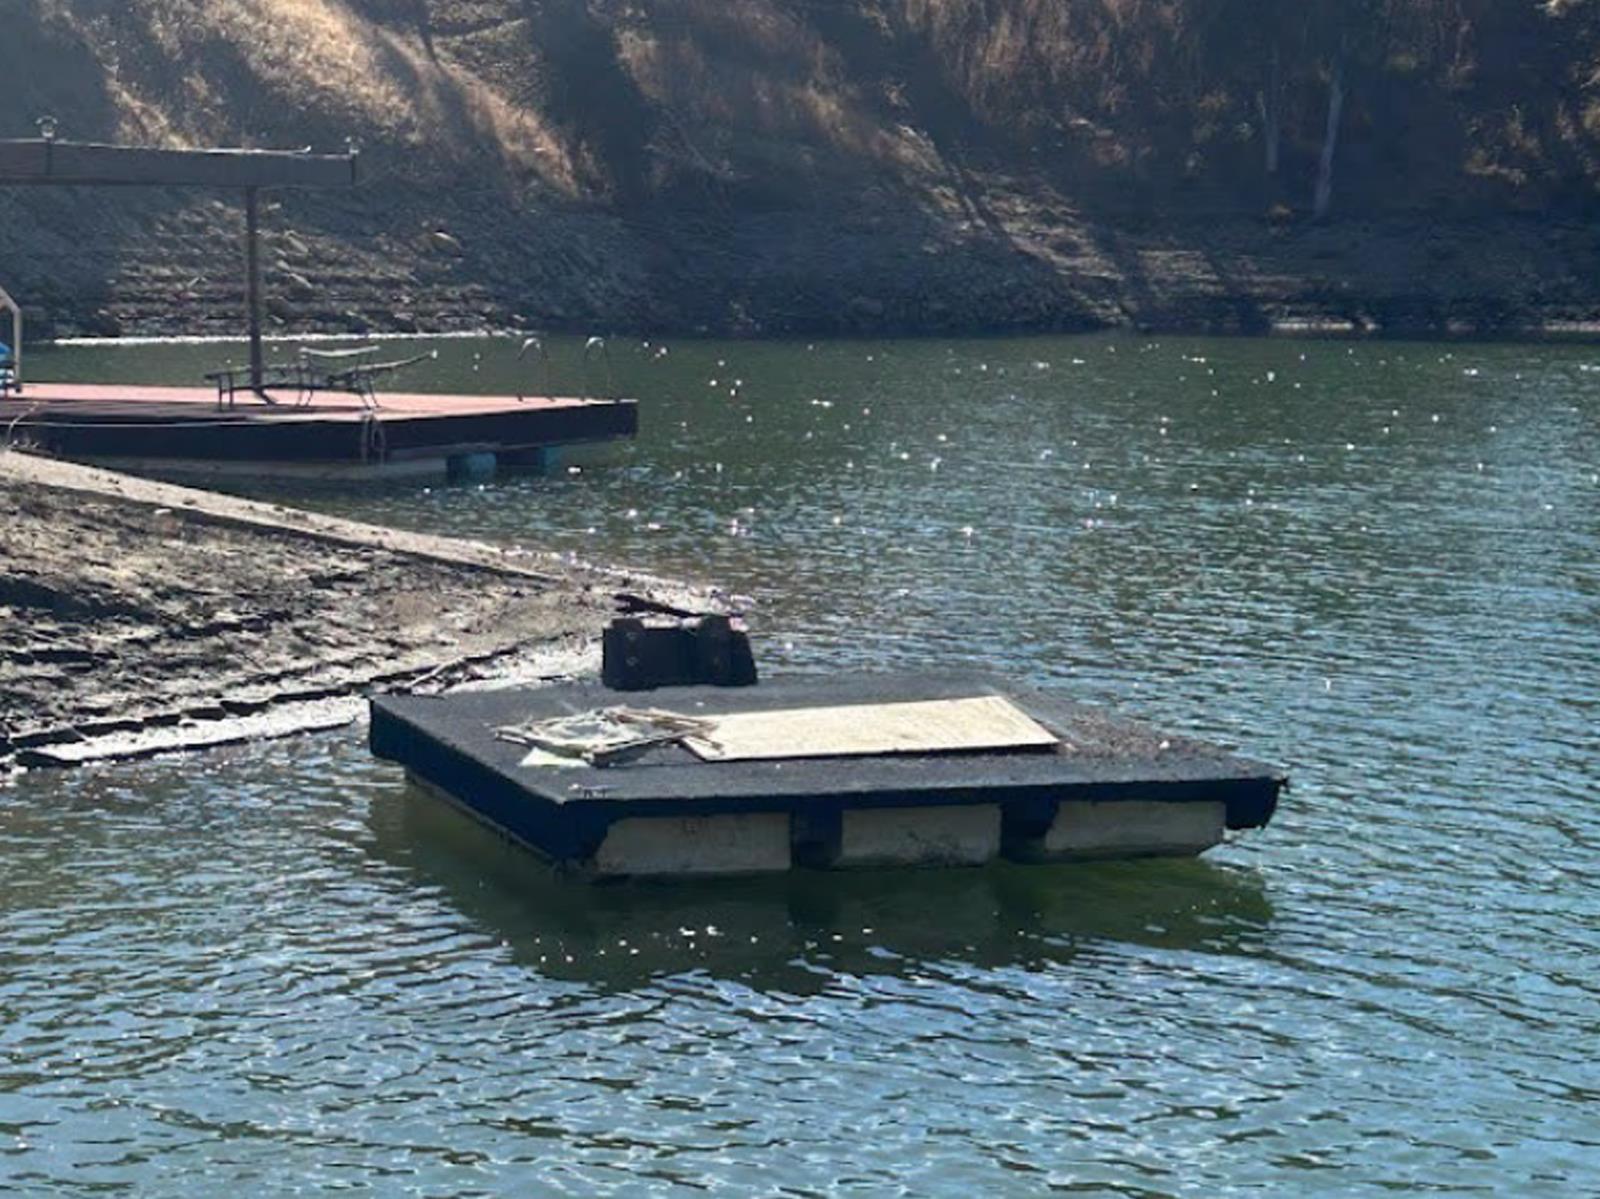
252, 219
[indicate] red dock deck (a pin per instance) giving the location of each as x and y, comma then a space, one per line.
185, 427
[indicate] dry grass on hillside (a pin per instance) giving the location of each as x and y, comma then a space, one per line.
269, 72
766, 101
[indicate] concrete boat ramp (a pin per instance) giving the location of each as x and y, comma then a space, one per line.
872, 771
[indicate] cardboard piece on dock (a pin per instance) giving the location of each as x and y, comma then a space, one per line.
989, 722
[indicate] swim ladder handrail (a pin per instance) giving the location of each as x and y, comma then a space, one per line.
536, 342
11, 371
589, 347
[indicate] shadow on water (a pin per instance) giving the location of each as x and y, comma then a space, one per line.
796, 931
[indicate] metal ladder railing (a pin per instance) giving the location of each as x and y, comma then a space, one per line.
11, 364
595, 345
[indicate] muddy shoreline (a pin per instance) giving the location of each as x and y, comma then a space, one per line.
137, 617
433, 261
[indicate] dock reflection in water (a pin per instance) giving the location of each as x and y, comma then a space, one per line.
792, 932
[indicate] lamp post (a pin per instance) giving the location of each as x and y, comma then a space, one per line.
252, 221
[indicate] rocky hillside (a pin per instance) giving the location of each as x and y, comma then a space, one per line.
771, 166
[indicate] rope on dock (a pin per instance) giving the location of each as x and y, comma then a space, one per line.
11, 428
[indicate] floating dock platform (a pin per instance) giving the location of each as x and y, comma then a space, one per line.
184, 429
874, 771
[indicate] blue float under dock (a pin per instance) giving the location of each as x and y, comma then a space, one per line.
1096, 787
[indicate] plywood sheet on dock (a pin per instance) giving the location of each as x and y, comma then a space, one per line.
988, 722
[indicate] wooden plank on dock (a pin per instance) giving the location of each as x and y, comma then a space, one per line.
987, 722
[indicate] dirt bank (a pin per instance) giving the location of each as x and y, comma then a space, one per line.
137, 616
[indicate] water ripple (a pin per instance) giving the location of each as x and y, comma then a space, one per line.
276, 968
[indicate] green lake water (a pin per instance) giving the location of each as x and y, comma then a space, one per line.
274, 970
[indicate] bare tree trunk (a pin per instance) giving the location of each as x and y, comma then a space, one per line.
1330, 141
1270, 101
422, 18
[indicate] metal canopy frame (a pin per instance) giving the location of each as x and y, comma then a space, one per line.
50, 161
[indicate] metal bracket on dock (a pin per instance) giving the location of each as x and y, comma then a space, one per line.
675, 649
